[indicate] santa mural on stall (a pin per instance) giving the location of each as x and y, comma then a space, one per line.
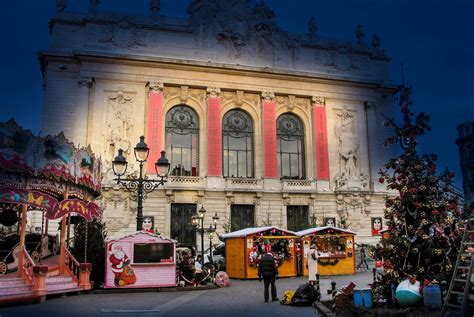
120, 265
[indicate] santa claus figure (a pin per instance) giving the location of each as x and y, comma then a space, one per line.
147, 224
253, 257
118, 260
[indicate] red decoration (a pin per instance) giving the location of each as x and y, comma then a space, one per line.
269, 139
154, 128
214, 136
322, 159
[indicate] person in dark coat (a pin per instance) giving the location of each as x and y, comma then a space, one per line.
268, 271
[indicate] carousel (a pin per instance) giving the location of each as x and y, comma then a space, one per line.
50, 176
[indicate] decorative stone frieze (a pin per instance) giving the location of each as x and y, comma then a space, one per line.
268, 95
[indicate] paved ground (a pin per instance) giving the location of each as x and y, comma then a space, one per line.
242, 298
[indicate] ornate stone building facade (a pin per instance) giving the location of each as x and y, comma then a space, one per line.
261, 126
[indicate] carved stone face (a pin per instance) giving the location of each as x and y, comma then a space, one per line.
147, 223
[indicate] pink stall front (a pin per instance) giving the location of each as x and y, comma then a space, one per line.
140, 260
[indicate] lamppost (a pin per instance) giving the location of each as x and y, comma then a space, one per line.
211, 230
197, 220
141, 185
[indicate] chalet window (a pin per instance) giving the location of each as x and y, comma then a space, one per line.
182, 141
181, 227
297, 218
242, 216
153, 253
237, 144
290, 138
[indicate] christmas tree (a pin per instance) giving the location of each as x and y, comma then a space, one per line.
421, 213
88, 246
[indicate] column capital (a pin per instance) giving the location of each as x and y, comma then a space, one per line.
213, 92
155, 86
268, 95
85, 81
318, 101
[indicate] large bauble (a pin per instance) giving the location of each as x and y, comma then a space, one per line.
408, 294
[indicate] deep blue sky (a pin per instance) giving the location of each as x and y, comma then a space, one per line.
433, 38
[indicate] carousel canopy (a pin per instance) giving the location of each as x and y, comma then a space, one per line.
251, 231
324, 229
47, 173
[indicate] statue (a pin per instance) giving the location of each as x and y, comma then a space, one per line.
312, 28
60, 5
154, 7
376, 41
360, 34
348, 143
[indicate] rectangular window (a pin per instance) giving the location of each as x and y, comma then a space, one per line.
153, 253
297, 218
181, 227
242, 216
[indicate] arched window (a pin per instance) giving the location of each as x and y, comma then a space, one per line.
182, 141
290, 136
237, 144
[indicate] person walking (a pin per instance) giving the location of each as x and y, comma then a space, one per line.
312, 263
268, 271
363, 259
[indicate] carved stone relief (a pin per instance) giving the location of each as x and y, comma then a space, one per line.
239, 98
184, 93
291, 102
117, 209
118, 126
350, 175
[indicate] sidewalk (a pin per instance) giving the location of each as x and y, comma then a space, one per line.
361, 279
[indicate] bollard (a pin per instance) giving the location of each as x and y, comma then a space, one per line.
318, 288
333, 293
374, 272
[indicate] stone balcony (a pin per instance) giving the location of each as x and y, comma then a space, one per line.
185, 182
243, 183
296, 185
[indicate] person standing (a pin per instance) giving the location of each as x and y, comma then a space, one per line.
312, 263
268, 271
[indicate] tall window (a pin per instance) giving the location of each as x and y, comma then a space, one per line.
290, 136
237, 139
181, 227
182, 141
297, 218
241, 217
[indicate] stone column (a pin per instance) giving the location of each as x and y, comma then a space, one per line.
81, 115
154, 120
373, 144
320, 137
270, 164
214, 132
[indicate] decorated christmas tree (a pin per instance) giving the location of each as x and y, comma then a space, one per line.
88, 245
421, 212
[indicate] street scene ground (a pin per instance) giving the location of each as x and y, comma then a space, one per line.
242, 298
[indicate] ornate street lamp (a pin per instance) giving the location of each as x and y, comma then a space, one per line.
141, 185
197, 220
210, 232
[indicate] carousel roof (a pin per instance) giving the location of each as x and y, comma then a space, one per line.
249, 231
151, 234
47, 163
319, 229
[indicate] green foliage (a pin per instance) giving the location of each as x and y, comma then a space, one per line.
96, 235
423, 218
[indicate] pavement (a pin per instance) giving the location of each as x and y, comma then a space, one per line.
242, 298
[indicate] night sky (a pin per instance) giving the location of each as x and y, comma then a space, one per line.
433, 38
